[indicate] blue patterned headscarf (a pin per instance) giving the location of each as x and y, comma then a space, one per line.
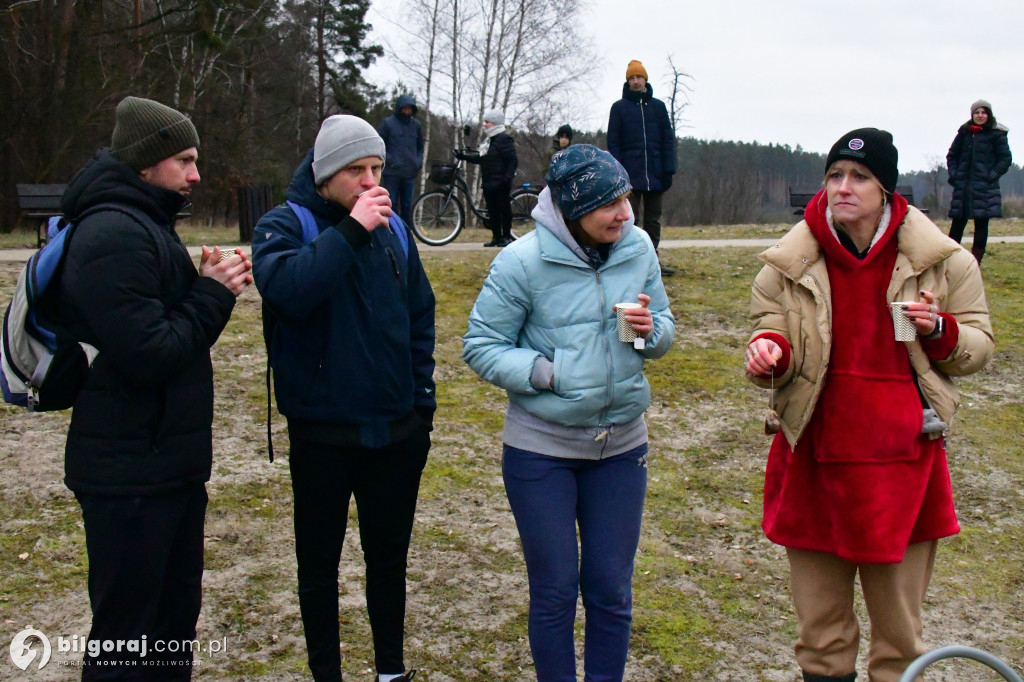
582, 177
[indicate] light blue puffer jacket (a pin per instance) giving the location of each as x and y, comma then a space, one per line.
543, 300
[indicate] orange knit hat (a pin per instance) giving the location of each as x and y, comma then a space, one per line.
635, 68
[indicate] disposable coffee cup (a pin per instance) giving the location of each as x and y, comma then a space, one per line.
905, 329
626, 332
224, 255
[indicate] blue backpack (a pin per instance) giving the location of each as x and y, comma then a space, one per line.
310, 232
42, 368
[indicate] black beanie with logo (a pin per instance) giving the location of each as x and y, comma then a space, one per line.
871, 147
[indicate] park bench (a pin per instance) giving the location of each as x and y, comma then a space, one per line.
799, 200
42, 202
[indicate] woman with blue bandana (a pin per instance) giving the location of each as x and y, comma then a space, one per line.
544, 328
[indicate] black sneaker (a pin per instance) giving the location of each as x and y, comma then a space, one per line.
504, 241
666, 271
493, 242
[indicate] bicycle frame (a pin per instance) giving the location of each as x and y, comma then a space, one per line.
459, 183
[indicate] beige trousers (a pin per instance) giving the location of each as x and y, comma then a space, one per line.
828, 633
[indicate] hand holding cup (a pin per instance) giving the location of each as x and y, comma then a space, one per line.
372, 208
635, 320
911, 318
230, 268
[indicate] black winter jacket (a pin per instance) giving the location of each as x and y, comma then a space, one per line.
975, 163
353, 346
640, 137
142, 423
498, 165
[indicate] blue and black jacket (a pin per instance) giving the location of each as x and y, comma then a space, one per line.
352, 347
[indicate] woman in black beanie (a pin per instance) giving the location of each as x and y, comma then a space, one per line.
978, 157
857, 482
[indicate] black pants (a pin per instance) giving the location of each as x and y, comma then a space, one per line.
956, 232
651, 222
385, 483
499, 211
145, 578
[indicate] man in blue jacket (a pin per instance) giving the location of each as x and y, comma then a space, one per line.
403, 139
351, 343
642, 139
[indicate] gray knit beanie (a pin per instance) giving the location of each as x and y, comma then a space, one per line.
981, 103
495, 116
582, 178
342, 140
147, 132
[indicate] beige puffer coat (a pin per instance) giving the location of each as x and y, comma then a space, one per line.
791, 296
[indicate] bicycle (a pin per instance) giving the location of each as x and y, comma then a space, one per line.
438, 215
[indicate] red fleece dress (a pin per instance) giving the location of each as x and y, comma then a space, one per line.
863, 483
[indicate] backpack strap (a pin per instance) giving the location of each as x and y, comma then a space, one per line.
401, 231
309, 229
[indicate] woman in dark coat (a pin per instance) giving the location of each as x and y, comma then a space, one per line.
978, 157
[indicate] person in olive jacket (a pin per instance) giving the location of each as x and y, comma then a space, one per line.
978, 157
139, 449
498, 163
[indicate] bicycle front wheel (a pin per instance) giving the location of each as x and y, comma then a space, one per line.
523, 202
437, 218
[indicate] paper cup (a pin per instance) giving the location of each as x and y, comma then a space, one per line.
224, 255
626, 332
905, 329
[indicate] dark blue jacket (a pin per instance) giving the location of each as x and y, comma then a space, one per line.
353, 344
975, 163
641, 138
403, 139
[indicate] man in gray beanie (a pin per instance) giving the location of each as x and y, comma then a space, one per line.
139, 449
349, 325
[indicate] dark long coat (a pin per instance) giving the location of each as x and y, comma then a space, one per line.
975, 163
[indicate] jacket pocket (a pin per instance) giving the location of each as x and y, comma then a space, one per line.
860, 420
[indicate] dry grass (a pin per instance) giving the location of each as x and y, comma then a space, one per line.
710, 592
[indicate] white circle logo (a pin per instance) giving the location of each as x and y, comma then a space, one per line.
856, 143
22, 652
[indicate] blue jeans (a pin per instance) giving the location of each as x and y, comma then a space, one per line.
549, 497
400, 190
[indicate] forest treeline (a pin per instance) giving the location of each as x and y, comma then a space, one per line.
258, 76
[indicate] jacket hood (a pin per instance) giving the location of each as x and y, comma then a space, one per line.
549, 217
106, 180
302, 190
405, 101
920, 241
647, 94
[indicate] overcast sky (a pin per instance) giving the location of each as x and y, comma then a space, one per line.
804, 72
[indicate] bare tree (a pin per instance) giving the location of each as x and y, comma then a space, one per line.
679, 88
